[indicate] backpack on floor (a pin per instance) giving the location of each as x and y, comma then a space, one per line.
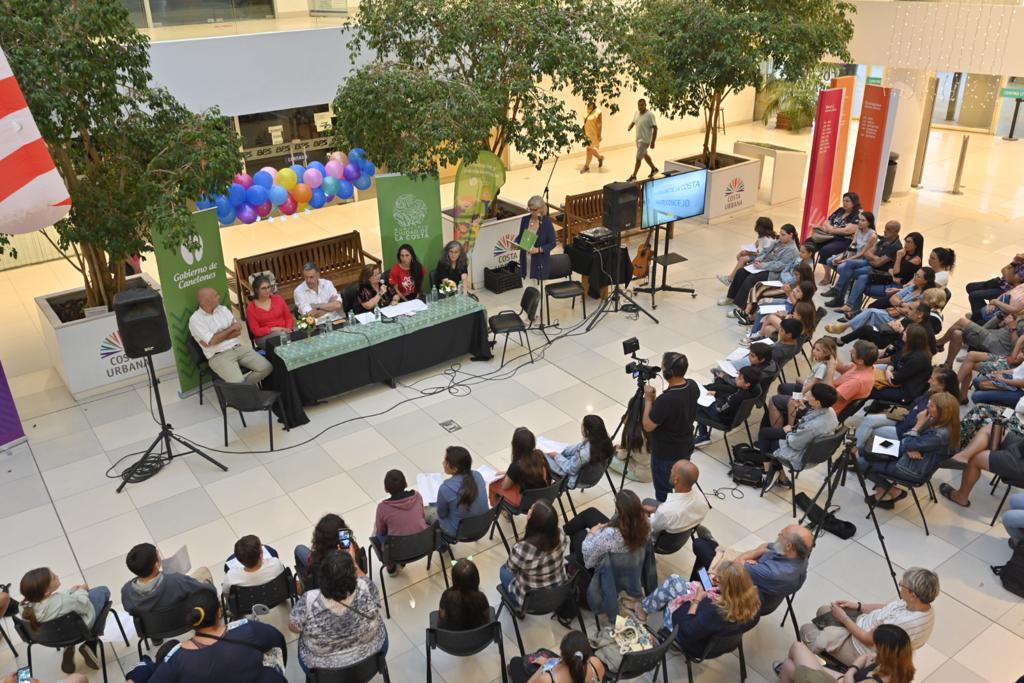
747, 465
746, 454
1012, 573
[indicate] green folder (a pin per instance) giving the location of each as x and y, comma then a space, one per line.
528, 239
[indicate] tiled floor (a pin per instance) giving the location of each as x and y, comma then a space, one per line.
58, 508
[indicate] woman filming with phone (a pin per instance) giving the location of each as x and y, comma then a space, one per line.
24, 675
331, 533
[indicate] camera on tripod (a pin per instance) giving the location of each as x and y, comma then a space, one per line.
638, 368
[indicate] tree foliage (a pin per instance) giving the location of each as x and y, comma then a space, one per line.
689, 55
453, 77
132, 156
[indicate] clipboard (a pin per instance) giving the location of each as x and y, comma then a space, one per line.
527, 241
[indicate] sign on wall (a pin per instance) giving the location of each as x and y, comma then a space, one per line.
409, 210
874, 137
732, 189
847, 85
823, 160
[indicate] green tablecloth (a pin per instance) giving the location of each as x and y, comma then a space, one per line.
347, 339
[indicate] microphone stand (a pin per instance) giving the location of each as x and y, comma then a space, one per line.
546, 194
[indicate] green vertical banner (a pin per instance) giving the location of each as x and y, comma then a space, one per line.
409, 210
476, 186
183, 272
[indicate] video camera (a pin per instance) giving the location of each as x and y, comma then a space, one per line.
639, 367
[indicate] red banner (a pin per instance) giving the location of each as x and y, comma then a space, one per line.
823, 160
847, 85
874, 135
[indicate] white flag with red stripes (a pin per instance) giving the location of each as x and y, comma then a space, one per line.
32, 193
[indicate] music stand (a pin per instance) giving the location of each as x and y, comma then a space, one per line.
665, 260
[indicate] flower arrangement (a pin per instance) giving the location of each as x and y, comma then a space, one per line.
447, 287
306, 323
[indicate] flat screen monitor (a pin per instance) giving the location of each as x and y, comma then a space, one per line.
674, 197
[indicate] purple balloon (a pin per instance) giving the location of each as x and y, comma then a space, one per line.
246, 213
313, 178
351, 172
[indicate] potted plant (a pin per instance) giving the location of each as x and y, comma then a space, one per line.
794, 104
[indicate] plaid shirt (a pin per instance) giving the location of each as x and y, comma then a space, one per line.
534, 569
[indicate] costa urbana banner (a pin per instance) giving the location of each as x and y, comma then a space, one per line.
476, 186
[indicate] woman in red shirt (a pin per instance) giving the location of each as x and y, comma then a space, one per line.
406, 276
267, 313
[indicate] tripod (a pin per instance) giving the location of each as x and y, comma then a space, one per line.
634, 412
618, 292
151, 459
835, 478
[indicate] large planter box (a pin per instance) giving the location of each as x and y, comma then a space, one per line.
88, 353
731, 190
493, 247
787, 171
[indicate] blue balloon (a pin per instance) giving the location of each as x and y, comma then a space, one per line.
345, 189
370, 169
318, 166
257, 194
299, 170
227, 218
278, 195
357, 153
318, 198
205, 202
363, 182
263, 179
236, 194
223, 204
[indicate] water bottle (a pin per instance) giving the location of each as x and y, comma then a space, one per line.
433, 294
376, 313
351, 317
460, 292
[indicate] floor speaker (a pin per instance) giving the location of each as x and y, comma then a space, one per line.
620, 205
142, 322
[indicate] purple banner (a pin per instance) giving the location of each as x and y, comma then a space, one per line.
10, 423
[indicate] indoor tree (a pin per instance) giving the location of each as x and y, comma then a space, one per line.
133, 158
689, 55
451, 78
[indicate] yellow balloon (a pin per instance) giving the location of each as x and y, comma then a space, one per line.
303, 206
286, 178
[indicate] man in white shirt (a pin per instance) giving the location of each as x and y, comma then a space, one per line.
316, 296
221, 338
253, 565
684, 507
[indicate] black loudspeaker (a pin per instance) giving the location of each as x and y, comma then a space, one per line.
142, 322
620, 205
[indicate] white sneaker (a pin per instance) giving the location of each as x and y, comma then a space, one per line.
745, 341
725, 301
724, 279
731, 313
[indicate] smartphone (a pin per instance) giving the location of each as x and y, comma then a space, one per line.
345, 538
25, 674
550, 664
705, 579
885, 444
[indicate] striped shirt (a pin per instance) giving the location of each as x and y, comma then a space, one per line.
918, 625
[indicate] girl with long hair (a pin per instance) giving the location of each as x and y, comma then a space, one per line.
833, 234
594, 536
325, 539
463, 607
592, 129
764, 233
596, 447
461, 495
767, 325
44, 601
891, 662
904, 376
942, 260
528, 470
574, 663
537, 561
406, 276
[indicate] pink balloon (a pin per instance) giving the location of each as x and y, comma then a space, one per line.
313, 178
271, 170
289, 207
263, 210
335, 168
336, 156
246, 213
244, 179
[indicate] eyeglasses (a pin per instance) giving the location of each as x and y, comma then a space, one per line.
455, 562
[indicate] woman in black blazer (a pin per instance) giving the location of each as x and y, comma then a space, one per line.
540, 254
906, 378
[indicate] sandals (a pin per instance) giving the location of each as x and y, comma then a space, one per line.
947, 492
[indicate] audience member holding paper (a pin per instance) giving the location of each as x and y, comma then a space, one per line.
724, 408
372, 292
759, 356
461, 495
793, 274
400, 514
824, 357
791, 328
769, 315
768, 265
156, 588
764, 231
787, 445
880, 426
528, 470
595, 447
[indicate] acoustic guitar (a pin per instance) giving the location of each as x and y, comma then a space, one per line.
643, 258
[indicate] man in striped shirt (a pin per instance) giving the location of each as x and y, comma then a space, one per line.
844, 628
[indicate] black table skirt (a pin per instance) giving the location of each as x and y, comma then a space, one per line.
379, 363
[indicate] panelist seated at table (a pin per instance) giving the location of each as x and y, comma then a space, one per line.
221, 338
317, 295
267, 313
453, 265
406, 276
373, 291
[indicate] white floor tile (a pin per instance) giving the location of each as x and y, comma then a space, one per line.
244, 490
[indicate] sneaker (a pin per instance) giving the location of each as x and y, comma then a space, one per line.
745, 340
67, 662
831, 293
702, 438
834, 303
600, 162
725, 301
631, 179
724, 279
742, 316
731, 313
585, 169
777, 667
89, 655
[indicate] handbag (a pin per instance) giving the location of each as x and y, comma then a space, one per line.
748, 475
819, 236
915, 470
879, 277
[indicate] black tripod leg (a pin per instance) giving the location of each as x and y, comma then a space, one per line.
130, 472
197, 451
871, 511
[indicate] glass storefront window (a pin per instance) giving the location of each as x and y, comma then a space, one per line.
281, 138
966, 100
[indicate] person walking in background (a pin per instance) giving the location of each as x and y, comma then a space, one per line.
646, 136
592, 129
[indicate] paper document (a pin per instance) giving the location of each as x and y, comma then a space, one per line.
365, 318
772, 283
749, 247
404, 308
706, 399
728, 368
765, 309
429, 484
739, 353
178, 563
550, 446
112, 634
753, 269
892, 450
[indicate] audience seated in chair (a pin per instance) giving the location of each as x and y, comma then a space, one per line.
267, 313
325, 539
892, 661
770, 263
573, 663
463, 493
254, 567
814, 417
400, 514
684, 508
794, 275
463, 607
922, 449
764, 237
882, 425
537, 561
526, 471
766, 326
238, 652
44, 601
223, 341
776, 568
1004, 459
152, 589
980, 293
906, 372
316, 295
997, 336
339, 623
891, 333
760, 357
849, 632
877, 254
73, 678
593, 536
840, 225
824, 358
725, 407
985, 363
596, 447
894, 305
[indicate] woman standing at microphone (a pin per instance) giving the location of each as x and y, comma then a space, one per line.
536, 239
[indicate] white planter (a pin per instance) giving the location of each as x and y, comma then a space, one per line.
730, 190
88, 353
493, 247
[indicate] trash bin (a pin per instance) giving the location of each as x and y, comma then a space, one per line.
890, 175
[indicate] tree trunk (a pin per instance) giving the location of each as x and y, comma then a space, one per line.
98, 281
716, 104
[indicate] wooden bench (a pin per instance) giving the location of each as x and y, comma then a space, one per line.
586, 210
340, 258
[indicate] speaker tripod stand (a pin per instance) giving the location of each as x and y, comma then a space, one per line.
617, 293
152, 457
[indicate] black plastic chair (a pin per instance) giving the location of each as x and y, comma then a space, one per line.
69, 630
163, 624
350, 298
718, 646
636, 664
195, 351
465, 643
589, 476
1009, 485
405, 549
549, 493
246, 398
507, 322
912, 486
7, 639
770, 603
539, 601
740, 418
850, 410
471, 529
240, 600
360, 672
669, 542
818, 451
560, 266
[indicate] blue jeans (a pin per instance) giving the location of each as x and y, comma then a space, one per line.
997, 398
98, 596
505, 575
875, 425
870, 316
1013, 519
661, 475
850, 271
860, 285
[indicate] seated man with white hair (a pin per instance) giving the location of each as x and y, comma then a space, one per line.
224, 341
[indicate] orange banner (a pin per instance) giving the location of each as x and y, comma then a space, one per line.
874, 136
847, 85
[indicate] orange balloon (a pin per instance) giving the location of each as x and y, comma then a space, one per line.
301, 193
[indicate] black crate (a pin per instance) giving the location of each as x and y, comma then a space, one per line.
502, 279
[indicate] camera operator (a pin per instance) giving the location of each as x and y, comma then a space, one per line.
669, 420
